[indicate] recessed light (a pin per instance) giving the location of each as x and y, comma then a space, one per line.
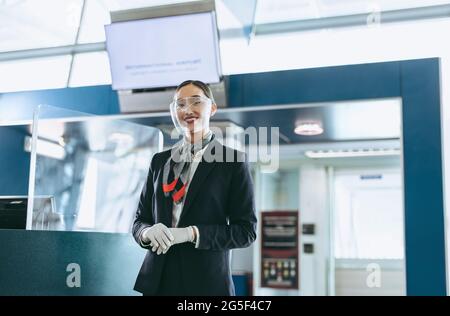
308, 129
353, 153
121, 138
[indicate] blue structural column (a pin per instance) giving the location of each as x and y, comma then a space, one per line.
424, 216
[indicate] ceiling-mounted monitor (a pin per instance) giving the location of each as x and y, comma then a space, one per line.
160, 47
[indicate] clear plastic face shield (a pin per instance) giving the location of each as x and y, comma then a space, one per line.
191, 114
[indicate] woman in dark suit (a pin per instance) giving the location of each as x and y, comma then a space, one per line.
196, 205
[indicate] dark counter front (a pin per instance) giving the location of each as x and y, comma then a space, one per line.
68, 263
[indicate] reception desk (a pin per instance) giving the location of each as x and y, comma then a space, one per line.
52, 263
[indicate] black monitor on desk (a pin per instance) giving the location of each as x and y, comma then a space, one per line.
13, 212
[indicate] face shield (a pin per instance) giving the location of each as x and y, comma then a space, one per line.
191, 114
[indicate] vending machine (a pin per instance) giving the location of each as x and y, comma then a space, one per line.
279, 250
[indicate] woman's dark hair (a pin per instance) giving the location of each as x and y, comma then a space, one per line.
199, 84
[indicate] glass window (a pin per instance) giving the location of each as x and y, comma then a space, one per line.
279, 190
34, 74
38, 24
270, 11
76, 165
97, 15
90, 69
368, 215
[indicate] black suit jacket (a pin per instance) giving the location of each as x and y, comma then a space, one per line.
220, 203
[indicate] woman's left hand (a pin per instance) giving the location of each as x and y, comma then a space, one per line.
181, 235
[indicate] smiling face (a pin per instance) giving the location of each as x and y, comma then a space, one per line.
193, 110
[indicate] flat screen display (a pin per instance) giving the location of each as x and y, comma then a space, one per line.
164, 51
13, 212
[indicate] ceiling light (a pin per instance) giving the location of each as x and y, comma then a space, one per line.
352, 153
308, 129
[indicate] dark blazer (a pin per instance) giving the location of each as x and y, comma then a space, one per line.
220, 203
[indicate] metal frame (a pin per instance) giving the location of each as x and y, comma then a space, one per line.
163, 11
417, 82
421, 13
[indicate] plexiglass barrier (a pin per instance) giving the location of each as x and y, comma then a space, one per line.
86, 171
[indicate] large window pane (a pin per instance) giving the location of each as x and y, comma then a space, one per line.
95, 18
38, 24
34, 74
270, 11
297, 50
280, 190
97, 15
90, 69
368, 214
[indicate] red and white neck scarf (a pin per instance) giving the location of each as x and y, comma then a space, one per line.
176, 169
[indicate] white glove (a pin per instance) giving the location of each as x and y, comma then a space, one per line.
159, 236
180, 235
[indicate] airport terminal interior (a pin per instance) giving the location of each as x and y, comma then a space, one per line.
342, 107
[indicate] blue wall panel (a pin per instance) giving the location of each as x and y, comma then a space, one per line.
424, 216
14, 162
95, 100
365, 81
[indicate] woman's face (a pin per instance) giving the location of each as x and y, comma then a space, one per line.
193, 109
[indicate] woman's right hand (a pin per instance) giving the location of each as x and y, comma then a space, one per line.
159, 236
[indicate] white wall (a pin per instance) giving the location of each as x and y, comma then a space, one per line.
317, 275
277, 191
313, 197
